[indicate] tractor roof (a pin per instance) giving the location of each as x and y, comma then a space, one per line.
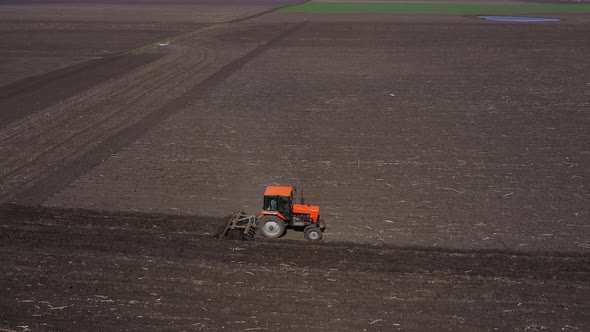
278, 191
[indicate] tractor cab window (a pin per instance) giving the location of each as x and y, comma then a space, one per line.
285, 206
270, 203
281, 204
284, 203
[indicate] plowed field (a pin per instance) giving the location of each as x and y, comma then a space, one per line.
449, 156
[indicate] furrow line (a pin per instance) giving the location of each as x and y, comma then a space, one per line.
137, 93
56, 178
78, 143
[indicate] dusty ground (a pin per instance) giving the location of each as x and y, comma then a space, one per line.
458, 146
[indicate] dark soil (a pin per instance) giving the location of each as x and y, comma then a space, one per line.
29, 95
456, 134
458, 146
54, 49
74, 270
57, 178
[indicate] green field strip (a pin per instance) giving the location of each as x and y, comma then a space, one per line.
432, 8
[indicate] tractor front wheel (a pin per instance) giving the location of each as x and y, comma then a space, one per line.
271, 227
313, 233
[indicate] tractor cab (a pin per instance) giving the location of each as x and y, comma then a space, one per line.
280, 211
279, 199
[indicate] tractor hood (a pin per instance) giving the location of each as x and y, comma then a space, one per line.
312, 210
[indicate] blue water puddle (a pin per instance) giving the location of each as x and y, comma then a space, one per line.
518, 19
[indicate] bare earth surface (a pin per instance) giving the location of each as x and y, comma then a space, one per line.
80, 270
41, 36
449, 155
406, 134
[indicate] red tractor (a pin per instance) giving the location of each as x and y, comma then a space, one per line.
280, 211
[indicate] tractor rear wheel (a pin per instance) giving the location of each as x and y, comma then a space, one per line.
271, 227
313, 233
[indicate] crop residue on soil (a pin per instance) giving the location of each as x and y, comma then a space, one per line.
64, 268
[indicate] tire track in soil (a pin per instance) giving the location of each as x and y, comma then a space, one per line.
79, 102
15, 98
66, 133
35, 190
78, 107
